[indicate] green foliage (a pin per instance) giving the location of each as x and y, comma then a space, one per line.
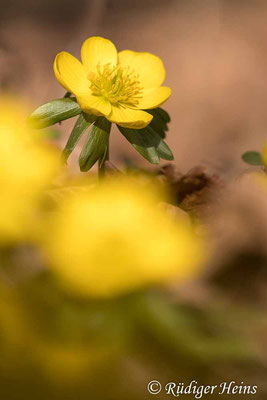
159, 122
252, 158
164, 151
54, 111
83, 122
96, 144
148, 143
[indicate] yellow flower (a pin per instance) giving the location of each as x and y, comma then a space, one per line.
264, 155
26, 168
115, 85
115, 239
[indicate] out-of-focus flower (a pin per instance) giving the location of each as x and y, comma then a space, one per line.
259, 179
14, 330
27, 166
264, 154
116, 239
63, 362
115, 85
25, 346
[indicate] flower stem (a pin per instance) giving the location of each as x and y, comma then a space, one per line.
101, 162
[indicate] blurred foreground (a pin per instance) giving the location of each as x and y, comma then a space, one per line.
107, 286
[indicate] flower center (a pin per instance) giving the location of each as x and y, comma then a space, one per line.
117, 84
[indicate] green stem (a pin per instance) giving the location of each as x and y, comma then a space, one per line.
101, 162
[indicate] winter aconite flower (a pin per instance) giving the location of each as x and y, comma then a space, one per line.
118, 86
116, 239
109, 87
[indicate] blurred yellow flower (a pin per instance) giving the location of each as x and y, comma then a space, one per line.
27, 166
116, 239
115, 85
264, 155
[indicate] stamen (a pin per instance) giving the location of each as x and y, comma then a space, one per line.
117, 84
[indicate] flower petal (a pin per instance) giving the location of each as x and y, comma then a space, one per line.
129, 118
95, 105
153, 98
98, 50
148, 66
70, 73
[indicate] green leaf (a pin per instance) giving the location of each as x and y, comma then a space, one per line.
164, 151
96, 144
145, 141
149, 153
164, 114
148, 143
159, 123
252, 158
83, 122
54, 111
